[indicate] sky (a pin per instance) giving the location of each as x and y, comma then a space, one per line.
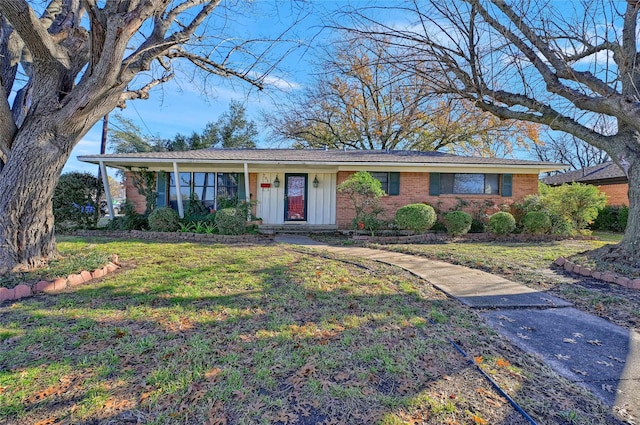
179, 106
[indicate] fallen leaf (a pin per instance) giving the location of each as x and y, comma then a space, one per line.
502, 363
478, 360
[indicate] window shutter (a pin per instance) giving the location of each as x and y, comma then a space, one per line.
394, 183
434, 184
161, 189
507, 184
241, 191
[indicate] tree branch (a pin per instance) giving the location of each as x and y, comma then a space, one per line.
213, 67
141, 93
34, 34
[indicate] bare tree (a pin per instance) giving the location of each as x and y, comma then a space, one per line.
559, 64
360, 100
568, 149
67, 63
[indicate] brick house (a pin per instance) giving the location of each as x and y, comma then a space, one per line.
297, 187
607, 177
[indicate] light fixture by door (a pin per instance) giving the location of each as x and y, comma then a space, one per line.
315, 181
276, 182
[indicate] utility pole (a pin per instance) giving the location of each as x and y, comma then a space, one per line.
103, 149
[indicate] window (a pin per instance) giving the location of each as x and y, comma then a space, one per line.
210, 188
469, 184
390, 182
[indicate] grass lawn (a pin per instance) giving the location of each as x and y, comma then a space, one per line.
189, 333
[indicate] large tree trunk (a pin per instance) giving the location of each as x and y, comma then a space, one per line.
26, 206
631, 241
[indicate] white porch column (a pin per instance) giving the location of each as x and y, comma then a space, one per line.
176, 176
107, 192
247, 195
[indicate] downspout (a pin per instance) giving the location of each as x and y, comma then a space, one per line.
107, 192
247, 195
176, 176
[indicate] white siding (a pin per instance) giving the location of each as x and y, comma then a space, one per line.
321, 201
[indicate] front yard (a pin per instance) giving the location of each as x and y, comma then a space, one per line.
196, 333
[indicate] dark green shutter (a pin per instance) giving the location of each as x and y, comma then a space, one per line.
434, 184
507, 184
394, 183
161, 189
241, 191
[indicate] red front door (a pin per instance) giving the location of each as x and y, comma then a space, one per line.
295, 197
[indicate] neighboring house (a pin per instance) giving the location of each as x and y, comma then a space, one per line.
297, 187
607, 177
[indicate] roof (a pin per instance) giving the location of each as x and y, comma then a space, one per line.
607, 172
323, 157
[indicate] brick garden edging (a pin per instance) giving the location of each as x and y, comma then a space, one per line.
59, 284
605, 277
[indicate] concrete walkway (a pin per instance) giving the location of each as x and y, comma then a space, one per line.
587, 350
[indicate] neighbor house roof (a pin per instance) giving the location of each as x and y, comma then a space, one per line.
342, 159
605, 173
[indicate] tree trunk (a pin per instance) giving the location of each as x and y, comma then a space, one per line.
631, 241
27, 183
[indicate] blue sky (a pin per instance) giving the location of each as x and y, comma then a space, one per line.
180, 106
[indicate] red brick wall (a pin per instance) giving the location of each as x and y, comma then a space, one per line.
414, 188
617, 194
253, 189
132, 194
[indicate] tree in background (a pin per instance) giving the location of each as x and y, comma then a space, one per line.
359, 100
539, 62
568, 149
67, 63
232, 129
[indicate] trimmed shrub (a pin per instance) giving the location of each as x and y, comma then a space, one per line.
536, 222
415, 217
502, 223
231, 221
457, 222
164, 220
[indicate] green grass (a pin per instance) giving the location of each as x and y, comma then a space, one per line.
188, 333
73, 258
522, 261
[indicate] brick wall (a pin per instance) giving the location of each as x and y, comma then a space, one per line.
617, 194
132, 194
414, 188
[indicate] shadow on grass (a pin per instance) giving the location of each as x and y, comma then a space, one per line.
301, 340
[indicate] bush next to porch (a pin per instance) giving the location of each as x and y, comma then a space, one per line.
502, 223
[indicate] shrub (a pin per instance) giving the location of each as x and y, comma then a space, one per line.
477, 226
230, 221
457, 222
164, 220
74, 201
611, 218
502, 223
130, 220
576, 204
415, 217
536, 222
363, 190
